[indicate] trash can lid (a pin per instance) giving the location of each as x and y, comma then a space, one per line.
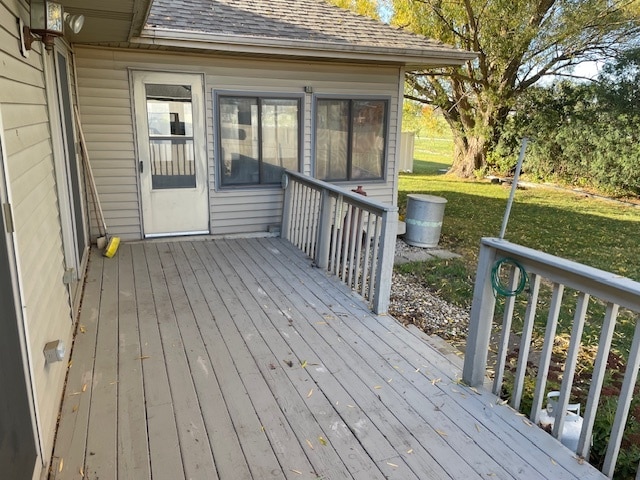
426, 198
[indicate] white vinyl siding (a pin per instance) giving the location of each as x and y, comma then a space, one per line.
108, 123
33, 195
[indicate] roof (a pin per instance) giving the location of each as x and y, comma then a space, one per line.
307, 28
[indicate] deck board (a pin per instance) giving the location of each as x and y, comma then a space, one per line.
235, 359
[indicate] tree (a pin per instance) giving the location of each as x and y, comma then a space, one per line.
584, 134
368, 8
518, 42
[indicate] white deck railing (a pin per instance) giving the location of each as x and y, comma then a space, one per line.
347, 234
615, 291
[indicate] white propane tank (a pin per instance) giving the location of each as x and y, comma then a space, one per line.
572, 421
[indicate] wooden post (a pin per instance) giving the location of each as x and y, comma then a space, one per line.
384, 271
481, 320
324, 231
286, 206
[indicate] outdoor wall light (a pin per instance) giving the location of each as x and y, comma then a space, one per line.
47, 23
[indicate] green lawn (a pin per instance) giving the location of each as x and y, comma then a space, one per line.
594, 232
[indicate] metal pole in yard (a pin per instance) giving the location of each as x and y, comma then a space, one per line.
514, 186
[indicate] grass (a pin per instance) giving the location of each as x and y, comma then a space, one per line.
588, 230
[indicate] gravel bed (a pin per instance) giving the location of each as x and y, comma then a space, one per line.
413, 302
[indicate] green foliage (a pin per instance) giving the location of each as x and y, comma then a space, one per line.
585, 135
368, 8
420, 118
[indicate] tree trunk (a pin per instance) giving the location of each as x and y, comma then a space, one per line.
469, 155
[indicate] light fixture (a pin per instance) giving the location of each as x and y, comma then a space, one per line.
47, 22
75, 22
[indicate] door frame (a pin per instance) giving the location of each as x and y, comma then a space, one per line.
138, 79
74, 259
17, 293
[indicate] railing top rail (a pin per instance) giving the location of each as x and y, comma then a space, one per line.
354, 198
608, 286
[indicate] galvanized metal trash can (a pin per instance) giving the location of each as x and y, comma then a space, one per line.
424, 219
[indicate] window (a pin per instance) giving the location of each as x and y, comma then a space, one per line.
259, 138
170, 119
351, 137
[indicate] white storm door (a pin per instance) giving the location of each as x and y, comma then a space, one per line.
172, 161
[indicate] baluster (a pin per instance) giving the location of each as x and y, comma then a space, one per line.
507, 318
547, 350
525, 342
367, 253
624, 402
570, 365
597, 379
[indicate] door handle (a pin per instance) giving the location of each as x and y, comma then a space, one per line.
141, 166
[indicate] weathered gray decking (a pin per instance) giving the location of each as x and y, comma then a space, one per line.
235, 359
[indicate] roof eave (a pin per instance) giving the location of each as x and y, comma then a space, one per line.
410, 58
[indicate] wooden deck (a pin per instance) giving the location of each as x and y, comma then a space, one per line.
235, 359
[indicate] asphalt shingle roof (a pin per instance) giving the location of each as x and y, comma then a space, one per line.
278, 21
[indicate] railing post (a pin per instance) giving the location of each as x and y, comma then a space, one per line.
385, 263
324, 231
481, 320
286, 206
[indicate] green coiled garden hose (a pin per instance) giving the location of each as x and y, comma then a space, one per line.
496, 283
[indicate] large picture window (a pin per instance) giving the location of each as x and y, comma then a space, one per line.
259, 138
351, 139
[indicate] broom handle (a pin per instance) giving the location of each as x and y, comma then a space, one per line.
94, 189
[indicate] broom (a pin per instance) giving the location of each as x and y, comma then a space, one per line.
106, 241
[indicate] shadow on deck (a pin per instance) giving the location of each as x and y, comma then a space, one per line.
235, 359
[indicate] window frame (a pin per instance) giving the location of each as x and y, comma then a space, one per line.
387, 131
259, 95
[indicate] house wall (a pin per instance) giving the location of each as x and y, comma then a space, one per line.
107, 117
32, 193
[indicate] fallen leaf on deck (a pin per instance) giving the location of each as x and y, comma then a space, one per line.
435, 380
144, 357
322, 441
289, 363
417, 369
84, 387
477, 427
527, 422
351, 406
321, 323
82, 329
74, 409
377, 387
502, 402
303, 364
390, 380
441, 433
61, 465
272, 366
392, 465
410, 451
553, 461
297, 472
81, 472
310, 444
310, 393
580, 460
